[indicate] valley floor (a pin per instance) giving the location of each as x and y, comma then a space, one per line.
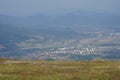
59, 70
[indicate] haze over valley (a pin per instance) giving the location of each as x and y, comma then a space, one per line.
81, 31
78, 35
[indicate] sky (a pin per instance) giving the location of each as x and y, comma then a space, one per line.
56, 7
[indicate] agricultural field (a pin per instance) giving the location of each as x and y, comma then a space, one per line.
59, 70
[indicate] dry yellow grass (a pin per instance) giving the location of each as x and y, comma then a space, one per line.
59, 70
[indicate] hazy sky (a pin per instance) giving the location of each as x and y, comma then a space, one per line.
29, 7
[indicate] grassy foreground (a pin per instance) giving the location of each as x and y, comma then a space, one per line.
59, 70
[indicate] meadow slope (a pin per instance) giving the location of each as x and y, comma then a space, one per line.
59, 70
